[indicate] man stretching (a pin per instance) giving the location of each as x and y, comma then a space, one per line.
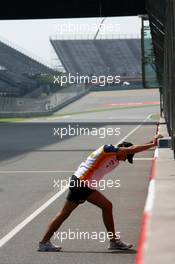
94, 168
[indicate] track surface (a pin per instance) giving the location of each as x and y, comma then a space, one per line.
31, 158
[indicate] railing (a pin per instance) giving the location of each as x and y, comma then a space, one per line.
22, 106
91, 36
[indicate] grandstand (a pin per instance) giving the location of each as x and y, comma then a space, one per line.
27, 87
16, 61
23, 77
20, 74
15, 82
100, 56
7, 89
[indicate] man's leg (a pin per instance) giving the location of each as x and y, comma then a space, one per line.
59, 219
102, 202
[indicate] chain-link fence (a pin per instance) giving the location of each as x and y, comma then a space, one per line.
162, 21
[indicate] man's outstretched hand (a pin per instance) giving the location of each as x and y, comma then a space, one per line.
156, 137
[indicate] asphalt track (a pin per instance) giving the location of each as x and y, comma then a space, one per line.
32, 160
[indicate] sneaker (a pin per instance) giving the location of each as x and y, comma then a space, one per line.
48, 246
119, 245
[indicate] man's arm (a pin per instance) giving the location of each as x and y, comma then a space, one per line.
139, 148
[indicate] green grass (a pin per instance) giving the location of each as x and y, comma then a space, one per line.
11, 119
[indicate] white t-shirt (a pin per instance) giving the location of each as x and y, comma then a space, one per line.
98, 163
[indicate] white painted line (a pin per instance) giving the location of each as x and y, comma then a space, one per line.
26, 221
66, 116
156, 153
150, 197
58, 117
143, 159
20, 226
149, 116
132, 131
28, 171
151, 190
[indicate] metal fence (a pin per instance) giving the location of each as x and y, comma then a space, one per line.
162, 21
149, 75
29, 107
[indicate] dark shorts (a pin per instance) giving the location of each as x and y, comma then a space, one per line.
78, 192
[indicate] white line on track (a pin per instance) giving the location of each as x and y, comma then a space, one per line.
58, 117
132, 131
20, 226
142, 159
32, 216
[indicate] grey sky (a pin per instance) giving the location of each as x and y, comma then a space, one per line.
32, 36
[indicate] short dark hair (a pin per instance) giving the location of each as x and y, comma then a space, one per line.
127, 145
